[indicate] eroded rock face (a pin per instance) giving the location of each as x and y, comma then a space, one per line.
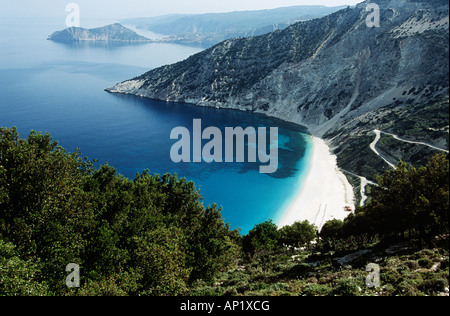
326, 74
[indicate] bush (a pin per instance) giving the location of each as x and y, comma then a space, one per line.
264, 237
409, 287
407, 199
316, 290
412, 264
390, 275
207, 291
299, 234
425, 263
347, 287
297, 271
434, 285
18, 277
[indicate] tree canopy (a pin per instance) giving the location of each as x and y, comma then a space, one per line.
153, 235
407, 201
149, 236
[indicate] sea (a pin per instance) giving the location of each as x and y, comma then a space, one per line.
58, 88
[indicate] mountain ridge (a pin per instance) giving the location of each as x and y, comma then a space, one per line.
328, 74
211, 28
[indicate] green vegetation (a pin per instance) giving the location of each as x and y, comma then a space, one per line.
408, 201
419, 121
153, 236
150, 236
425, 122
410, 271
356, 156
404, 230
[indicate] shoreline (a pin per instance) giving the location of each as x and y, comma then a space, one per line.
324, 194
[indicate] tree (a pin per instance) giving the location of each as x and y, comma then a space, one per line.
150, 236
17, 276
406, 200
410, 199
332, 231
263, 237
215, 243
161, 260
299, 234
432, 200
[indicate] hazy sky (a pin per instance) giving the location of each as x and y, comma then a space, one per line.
117, 9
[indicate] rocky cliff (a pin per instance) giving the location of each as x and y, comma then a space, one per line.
334, 75
114, 32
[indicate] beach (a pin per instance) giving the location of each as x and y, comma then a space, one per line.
325, 193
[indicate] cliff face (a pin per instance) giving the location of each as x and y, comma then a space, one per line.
326, 74
113, 32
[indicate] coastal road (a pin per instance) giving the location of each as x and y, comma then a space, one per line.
413, 142
378, 137
364, 183
373, 146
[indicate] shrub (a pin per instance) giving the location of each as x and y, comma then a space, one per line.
347, 287
299, 234
434, 285
412, 264
149, 236
18, 277
316, 290
207, 291
425, 263
264, 237
390, 275
409, 287
297, 271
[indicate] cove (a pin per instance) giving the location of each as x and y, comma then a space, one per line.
57, 88
212, 152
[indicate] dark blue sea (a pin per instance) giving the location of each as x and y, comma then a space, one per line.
59, 88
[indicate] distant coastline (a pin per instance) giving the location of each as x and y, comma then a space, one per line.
114, 32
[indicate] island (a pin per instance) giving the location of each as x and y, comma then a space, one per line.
113, 33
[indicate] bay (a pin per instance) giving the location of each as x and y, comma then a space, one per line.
59, 88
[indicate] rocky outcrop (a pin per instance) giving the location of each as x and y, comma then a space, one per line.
326, 74
114, 32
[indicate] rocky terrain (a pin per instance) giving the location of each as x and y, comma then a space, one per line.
405, 270
114, 32
212, 28
335, 75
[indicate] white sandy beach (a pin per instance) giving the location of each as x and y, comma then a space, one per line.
325, 193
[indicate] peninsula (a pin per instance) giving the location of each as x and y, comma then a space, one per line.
114, 32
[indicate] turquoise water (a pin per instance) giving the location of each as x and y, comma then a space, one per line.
59, 88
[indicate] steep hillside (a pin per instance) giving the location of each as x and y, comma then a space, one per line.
212, 28
114, 32
330, 75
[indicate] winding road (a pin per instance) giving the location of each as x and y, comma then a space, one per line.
378, 137
364, 182
413, 142
373, 147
